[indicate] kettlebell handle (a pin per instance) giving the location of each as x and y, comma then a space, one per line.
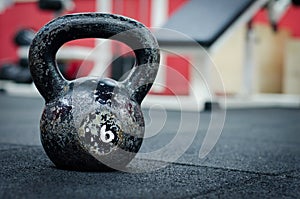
43, 67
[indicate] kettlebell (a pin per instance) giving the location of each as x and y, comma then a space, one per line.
92, 124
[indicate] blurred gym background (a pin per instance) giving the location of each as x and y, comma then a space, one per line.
269, 43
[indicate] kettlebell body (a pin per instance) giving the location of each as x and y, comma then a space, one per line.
90, 123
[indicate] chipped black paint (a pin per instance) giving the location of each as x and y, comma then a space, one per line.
91, 124
104, 92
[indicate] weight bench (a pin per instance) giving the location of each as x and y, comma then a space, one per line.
205, 23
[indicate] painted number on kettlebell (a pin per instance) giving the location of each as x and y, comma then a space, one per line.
100, 132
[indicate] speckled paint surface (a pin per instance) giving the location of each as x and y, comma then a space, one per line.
92, 124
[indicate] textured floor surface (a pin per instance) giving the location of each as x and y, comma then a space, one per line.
257, 155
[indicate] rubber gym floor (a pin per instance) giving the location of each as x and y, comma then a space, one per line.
256, 156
